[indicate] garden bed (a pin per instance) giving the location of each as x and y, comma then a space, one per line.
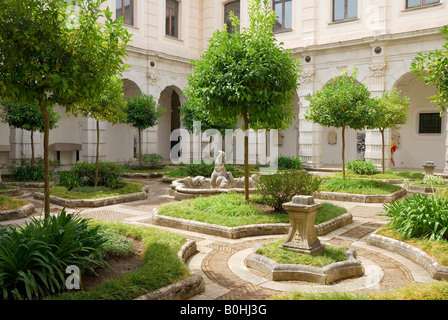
12, 209
157, 271
229, 216
11, 191
93, 198
359, 190
283, 265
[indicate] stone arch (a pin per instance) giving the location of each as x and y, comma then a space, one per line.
171, 98
414, 148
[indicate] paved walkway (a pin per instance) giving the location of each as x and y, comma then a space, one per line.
221, 261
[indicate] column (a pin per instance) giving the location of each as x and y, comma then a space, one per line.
89, 137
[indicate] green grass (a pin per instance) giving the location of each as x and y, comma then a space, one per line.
231, 210
6, 188
388, 175
427, 185
95, 193
8, 203
331, 255
436, 249
160, 266
358, 186
432, 291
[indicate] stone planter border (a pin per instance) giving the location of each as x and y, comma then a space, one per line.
184, 289
417, 255
141, 175
296, 272
351, 197
17, 213
414, 188
32, 185
11, 192
94, 203
244, 231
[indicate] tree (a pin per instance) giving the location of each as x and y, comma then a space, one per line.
27, 117
342, 103
108, 106
393, 111
432, 68
142, 113
246, 75
45, 58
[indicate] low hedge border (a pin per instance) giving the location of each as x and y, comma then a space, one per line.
20, 213
244, 231
184, 289
351, 197
417, 255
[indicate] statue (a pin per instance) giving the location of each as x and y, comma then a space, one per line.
198, 181
220, 177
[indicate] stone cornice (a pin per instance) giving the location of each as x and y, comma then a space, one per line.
156, 54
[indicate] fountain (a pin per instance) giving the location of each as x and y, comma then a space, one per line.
221, 181
429, 167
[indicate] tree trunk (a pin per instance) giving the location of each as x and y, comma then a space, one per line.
343, 152
383, 164
246, 156
140, 147
32, 148
97, 152
44, 112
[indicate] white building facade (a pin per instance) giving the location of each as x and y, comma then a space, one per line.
380, 38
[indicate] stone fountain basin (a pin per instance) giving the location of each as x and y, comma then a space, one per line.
181, 192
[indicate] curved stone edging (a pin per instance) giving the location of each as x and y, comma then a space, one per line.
244, 231
184, 289
17, 213
32, 185
11, 192
414, 188
296, 272
351, 197
417, 255
93, 203
142, 175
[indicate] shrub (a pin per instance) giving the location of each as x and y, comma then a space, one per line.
286, 163
420, 217
109, 174
152, 161
361, 167
280, 188
22, 170
33, 258
433, 180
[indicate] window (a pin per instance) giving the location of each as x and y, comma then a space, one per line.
430, 123
125, 9
345, 9
172, 18
234, 7
283, 13
419, 3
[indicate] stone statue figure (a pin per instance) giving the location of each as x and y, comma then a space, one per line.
220, 177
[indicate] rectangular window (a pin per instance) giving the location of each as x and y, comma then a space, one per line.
234, 7
430, 123
172, 18
345, 9
125, 9
419, 3
283, 13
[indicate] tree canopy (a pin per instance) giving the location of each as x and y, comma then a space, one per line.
48, 59
342, 103
246, 74
432, 68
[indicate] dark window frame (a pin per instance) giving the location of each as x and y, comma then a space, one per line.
123, 12
283, 3
226, 21
346, 18
434, 119
422, 4
170, 18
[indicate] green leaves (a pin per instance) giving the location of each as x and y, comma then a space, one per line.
432, 68
393, 111
142, 112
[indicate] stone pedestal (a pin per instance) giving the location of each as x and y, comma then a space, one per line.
302, 234
429, 168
